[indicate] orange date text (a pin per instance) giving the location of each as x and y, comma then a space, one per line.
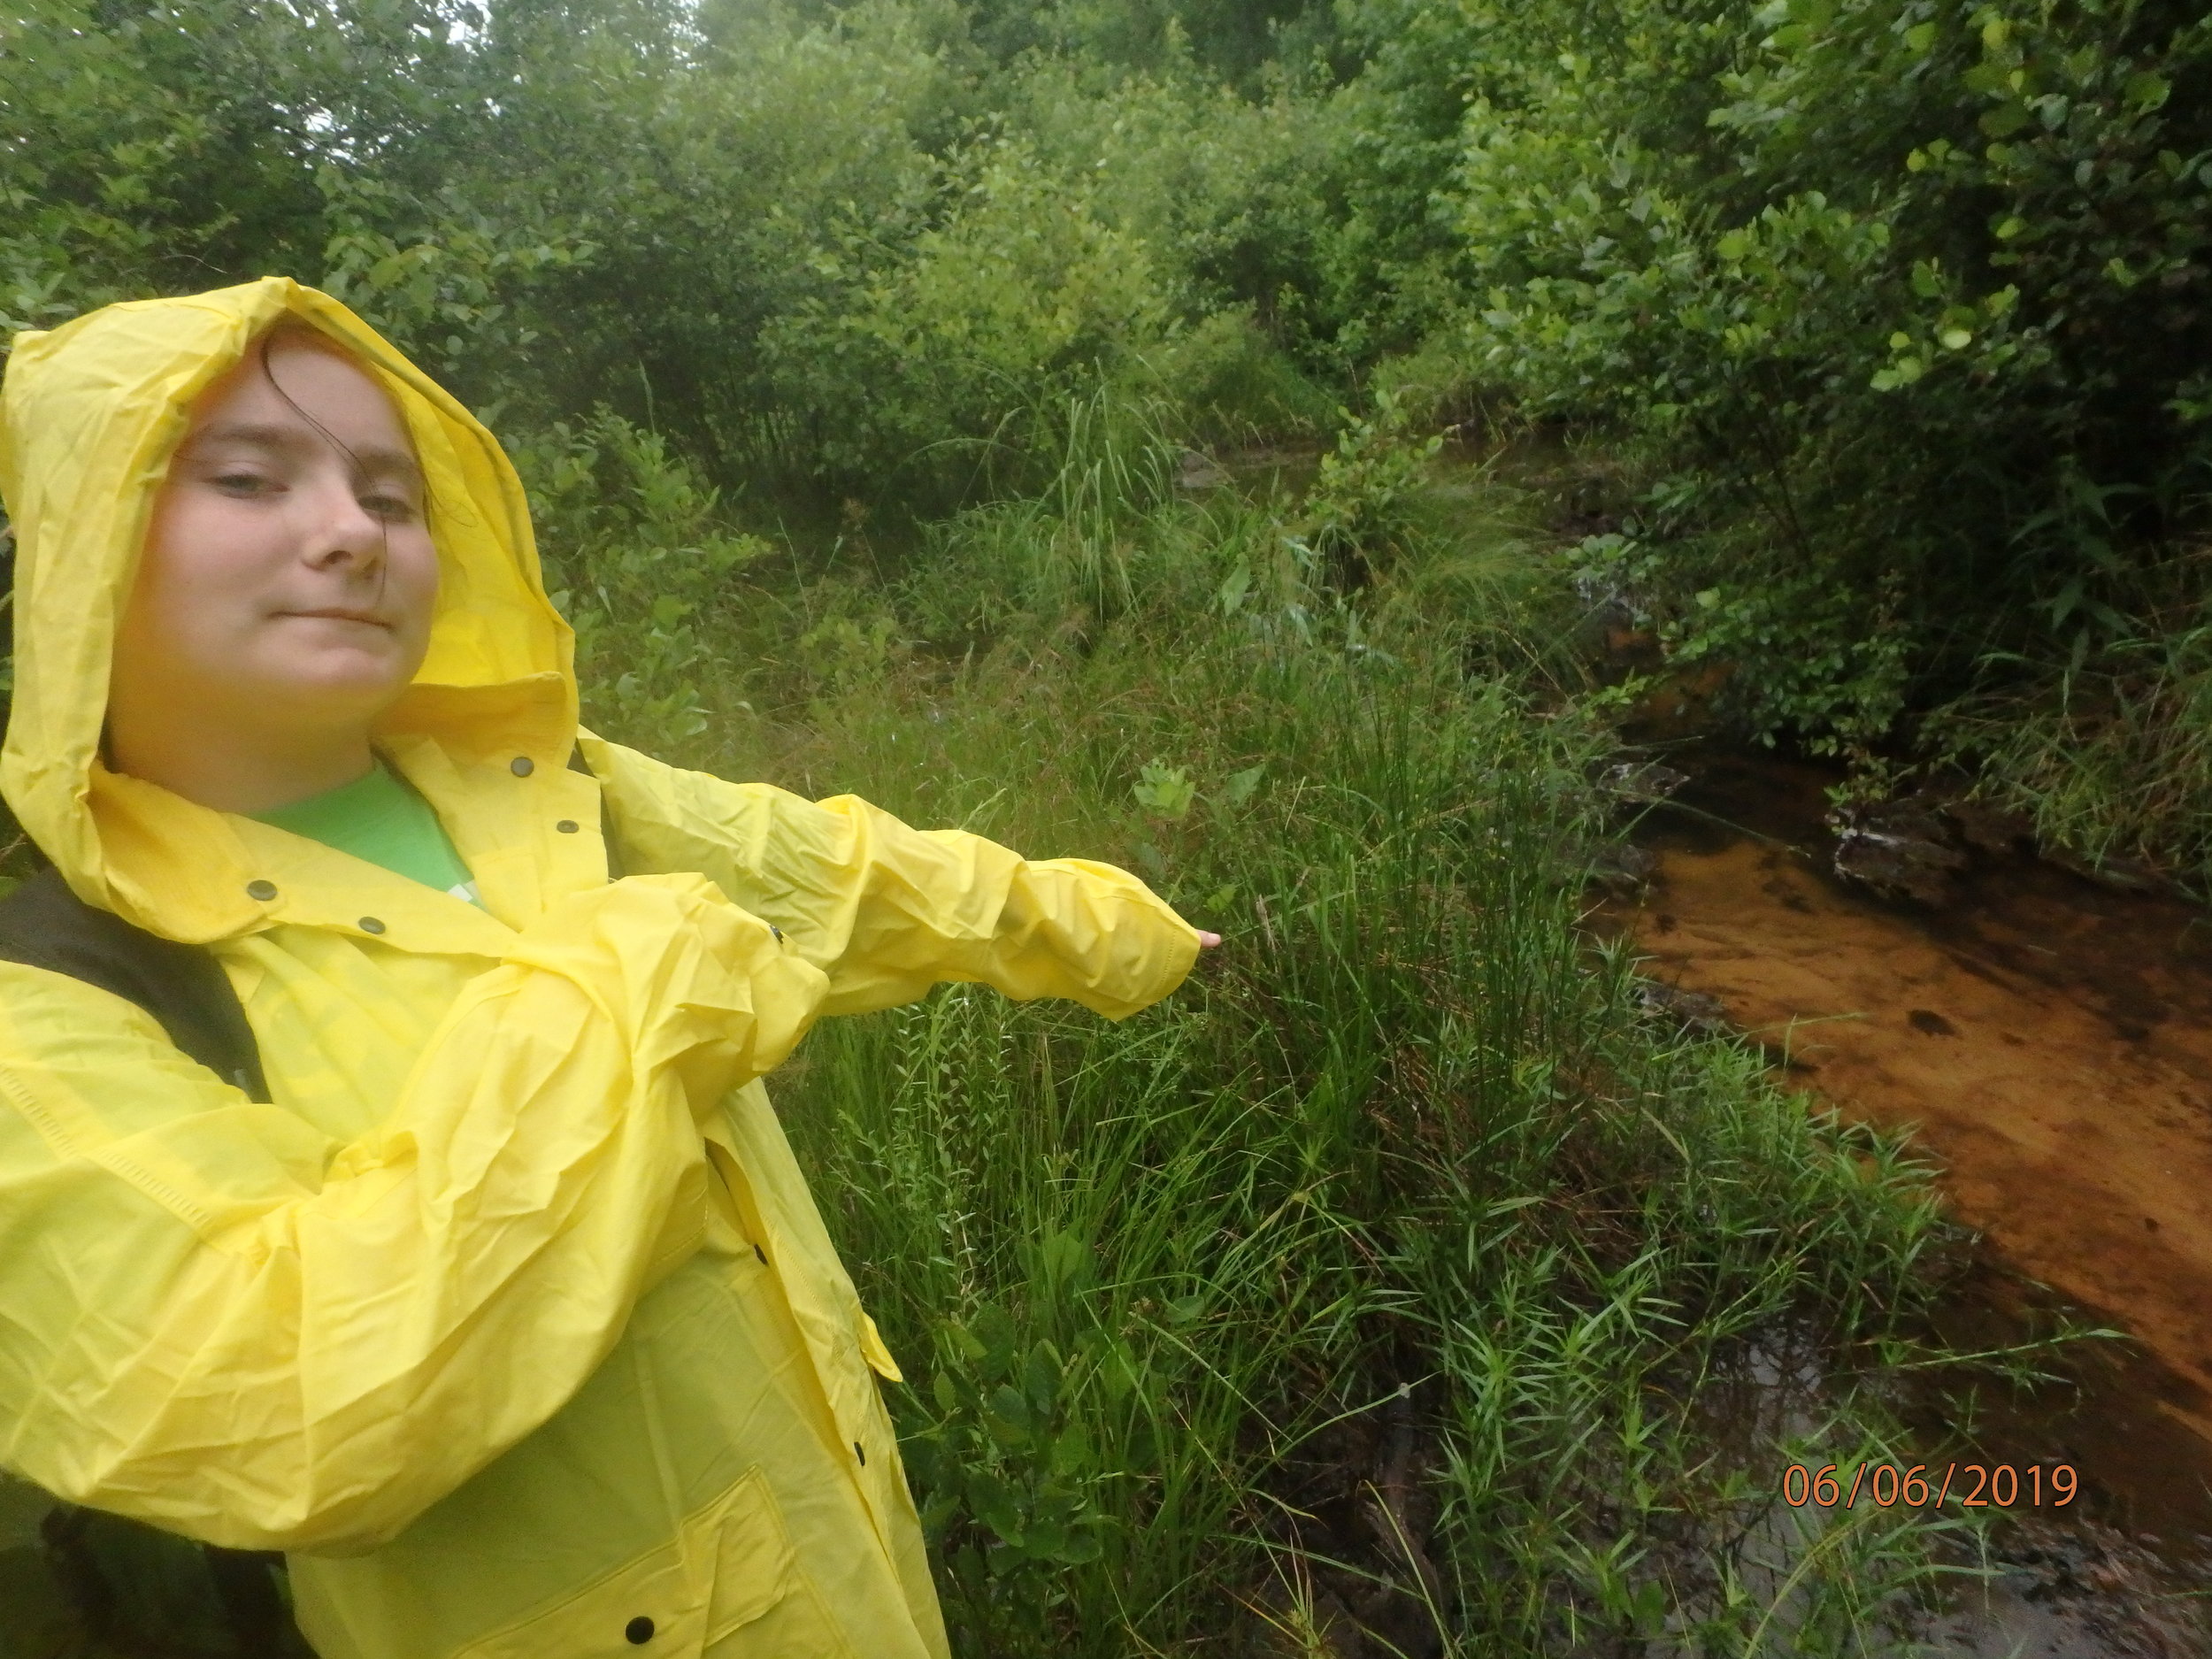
1930, 1485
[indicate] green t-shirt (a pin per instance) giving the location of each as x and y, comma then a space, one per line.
381, 818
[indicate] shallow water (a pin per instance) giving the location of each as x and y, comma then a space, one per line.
2051, 1041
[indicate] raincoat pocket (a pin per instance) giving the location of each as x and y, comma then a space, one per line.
731, 1563
750, 1557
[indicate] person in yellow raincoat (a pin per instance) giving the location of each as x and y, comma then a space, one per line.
506, 1314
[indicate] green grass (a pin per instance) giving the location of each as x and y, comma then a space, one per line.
2110, 756
1395, 1268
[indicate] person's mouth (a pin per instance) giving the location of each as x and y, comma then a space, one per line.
340, 613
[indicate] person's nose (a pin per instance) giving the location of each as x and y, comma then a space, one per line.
341, 531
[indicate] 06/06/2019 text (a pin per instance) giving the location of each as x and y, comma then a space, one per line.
1887, 1486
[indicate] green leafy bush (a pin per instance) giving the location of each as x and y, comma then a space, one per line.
1897, 307
640, 557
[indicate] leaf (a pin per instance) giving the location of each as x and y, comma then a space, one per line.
1040, 1381
1185, 1309
1046, 1539
1071, 1454
2145, 91
1067, 1262
999, 1338
1165, 791
1082, 1546
1241, 786
1235, 590
1118, 1372
993, 1501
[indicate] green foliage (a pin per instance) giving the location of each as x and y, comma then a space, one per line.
1358, 515
1396, 1130
1397, 1116
1894, 312
648, 557
1897, 306
1009, 1472
439, 274
2111, 756
1017, 300
1165, 791
805, 250
163, 150
1231, 37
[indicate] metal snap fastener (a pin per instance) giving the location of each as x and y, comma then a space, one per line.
638, 1631
522, 765
370, 924
859, 1452
264, 890
567, 827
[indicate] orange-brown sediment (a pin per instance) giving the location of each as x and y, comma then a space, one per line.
2052, 1040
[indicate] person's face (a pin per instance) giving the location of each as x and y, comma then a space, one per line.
286, 582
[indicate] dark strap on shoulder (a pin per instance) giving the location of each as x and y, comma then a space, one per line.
44, 925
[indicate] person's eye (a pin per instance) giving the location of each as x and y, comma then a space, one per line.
246, 485
389, 508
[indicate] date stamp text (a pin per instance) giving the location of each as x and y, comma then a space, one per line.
1930, 1485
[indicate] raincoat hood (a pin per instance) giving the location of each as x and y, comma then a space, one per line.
90, 413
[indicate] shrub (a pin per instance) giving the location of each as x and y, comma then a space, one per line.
1897, 306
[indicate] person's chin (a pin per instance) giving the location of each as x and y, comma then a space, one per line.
343, 680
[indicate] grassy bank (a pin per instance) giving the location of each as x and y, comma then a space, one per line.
1393, 1271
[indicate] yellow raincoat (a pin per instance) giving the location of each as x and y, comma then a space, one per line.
510, 1319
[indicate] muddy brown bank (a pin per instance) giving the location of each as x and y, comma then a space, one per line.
2050, 1040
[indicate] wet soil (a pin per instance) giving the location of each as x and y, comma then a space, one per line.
2048, 1041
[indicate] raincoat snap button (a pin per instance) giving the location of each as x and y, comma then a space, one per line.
370, 924
567, 827
522, 765
861, 1453
638, 1631
261, 890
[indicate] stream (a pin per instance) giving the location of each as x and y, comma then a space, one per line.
2049, 1039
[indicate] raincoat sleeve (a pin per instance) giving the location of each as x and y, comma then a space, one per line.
888, 911
214, 1319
